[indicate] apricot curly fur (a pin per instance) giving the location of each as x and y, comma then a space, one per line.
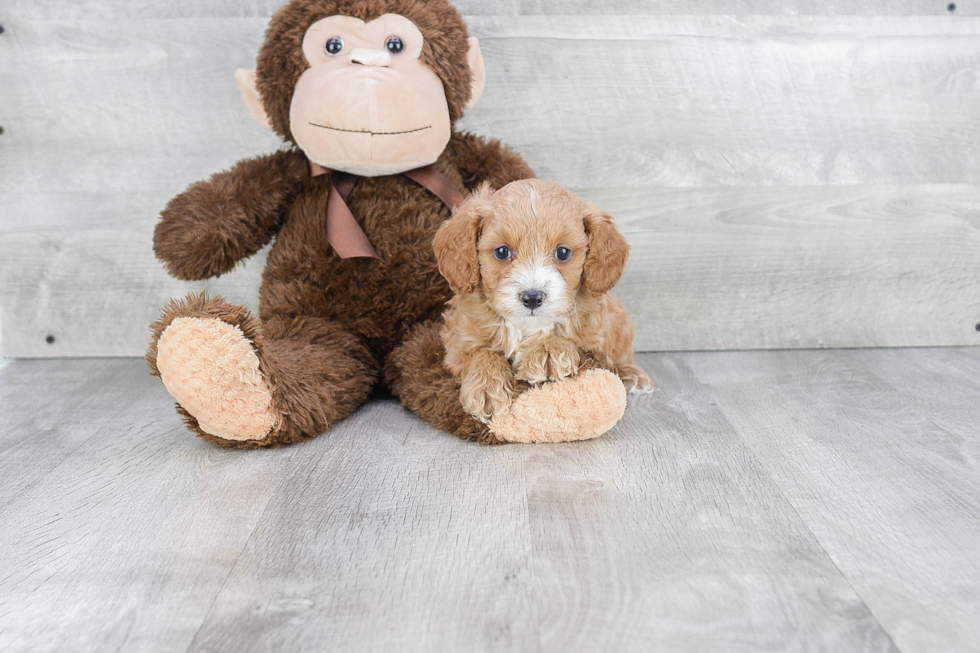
486, 341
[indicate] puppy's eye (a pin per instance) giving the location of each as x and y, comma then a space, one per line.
563, 253
334, 46
502, 253
394, 44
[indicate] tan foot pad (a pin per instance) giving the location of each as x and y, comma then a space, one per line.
579, 408
210, 368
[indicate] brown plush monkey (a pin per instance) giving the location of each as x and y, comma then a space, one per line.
366, 93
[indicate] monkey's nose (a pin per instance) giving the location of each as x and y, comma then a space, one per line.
368, 57
532, 298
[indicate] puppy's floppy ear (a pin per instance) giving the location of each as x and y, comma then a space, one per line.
607, 254
455, 242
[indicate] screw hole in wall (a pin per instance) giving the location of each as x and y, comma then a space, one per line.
1, 29
1, 129
978, 326
951, 7
49, 340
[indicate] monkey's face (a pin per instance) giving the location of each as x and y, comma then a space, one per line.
367, 104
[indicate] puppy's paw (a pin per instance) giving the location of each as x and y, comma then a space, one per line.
550, 359
488, 392
636, 380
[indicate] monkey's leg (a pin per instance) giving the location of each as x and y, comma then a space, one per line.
578, 408
245, 384
416, 375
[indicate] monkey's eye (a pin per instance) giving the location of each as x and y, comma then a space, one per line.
563, 254
394, 44
334, 46
502, 253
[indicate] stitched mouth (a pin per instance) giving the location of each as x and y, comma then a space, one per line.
368, 131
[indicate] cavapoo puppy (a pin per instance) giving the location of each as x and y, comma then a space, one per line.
531, 265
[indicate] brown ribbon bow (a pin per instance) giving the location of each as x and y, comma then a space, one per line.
345, 235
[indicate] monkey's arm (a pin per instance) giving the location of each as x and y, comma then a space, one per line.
480, 159
207, 229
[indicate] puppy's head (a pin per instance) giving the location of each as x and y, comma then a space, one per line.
530, 248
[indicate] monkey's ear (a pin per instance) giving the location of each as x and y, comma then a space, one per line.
455, 242
475, 59
250, 94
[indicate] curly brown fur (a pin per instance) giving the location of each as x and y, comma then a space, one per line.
207, 229
499, 247
319, 373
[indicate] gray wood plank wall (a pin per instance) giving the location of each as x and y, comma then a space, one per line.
789, 174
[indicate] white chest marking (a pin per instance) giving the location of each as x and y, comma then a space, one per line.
517, 332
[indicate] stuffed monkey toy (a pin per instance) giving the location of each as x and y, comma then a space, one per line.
366, 94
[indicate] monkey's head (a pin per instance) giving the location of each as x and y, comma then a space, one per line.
370, 87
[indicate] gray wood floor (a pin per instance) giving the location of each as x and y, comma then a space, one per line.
807, 500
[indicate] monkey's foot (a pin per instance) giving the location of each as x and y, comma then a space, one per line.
579, 408
212, 369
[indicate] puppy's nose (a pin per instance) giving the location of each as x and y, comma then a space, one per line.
532, 298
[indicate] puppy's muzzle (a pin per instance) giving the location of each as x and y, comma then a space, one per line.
532, 299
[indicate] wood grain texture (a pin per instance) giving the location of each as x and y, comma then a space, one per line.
385, 534
95, 291
878, 454
118, 529
43, 427
801, 267
111, 9
665, 101
709, 101
400, 537
864, 125
710, 269
3, 361
666, 535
